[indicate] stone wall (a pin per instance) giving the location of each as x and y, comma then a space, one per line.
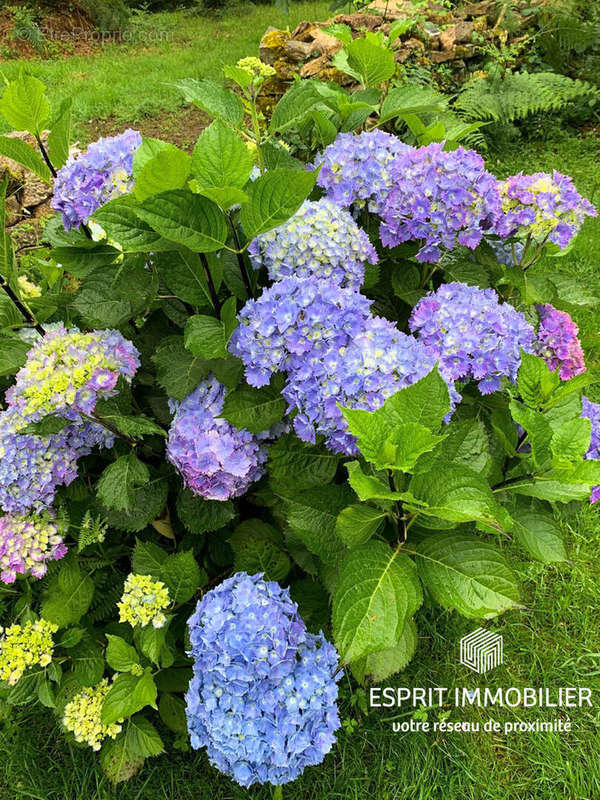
442, 36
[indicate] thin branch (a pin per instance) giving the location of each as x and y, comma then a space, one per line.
211, 285
45, 156
22, 307
240, 258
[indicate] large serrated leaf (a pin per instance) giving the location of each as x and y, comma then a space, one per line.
377, 592
466, 574
220, 158
273, 198
187, 219
378, 666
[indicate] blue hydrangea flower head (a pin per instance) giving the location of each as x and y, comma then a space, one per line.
90, 180
67, 371
443, 198
472, 334
321, 240
294, 317
592, 412
369, 367
262, 699
355, 168
33, 467
216, 460
542, 206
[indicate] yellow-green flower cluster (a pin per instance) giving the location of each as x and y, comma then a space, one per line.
83, 716
255, 67
143, 601
27, 288
24, 646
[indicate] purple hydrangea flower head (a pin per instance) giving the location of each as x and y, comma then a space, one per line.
27, 543
295, 317
321, 240
472, 334
373, 364
67, 371
216, 460
542, 206
558, 343
263, 696
592, 412
355, 168
92, 179
32, 467
444, 198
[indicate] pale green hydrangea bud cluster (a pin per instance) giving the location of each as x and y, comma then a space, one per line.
83, 716
24, 646
143, 601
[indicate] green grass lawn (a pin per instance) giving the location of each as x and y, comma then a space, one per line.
128, 82
554, 641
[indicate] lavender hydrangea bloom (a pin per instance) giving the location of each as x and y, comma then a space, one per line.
443, 198
27, 543
262, 699
89, 181
33, 467
472, 334
295, 317
355, 168
67, 371
373, 364
320, 241
216, 460
592, 412
558, 343
543, 206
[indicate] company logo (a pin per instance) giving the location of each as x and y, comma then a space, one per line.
481, 650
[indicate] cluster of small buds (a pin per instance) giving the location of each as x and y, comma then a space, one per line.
320, 241
355, 168
27, 288
67, 371
592, 412
558, 342
472, 334
217, 460
92, 179
542, 206
83, 716
24, 646
444, 198
144, 601
27, 543
295, 318
256, 68
263, 696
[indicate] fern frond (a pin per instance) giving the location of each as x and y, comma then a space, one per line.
519, 95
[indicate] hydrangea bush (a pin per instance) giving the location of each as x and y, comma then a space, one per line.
261, 407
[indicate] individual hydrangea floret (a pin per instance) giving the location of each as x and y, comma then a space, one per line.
295, 317
443, 198
262, 699
67, 371
320, 241
217, 460
558, 342
355, 168
90, 180
373, 364
542, 206
472, 334
83, 716
27, 543
24, 646
592, 412
143, 602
